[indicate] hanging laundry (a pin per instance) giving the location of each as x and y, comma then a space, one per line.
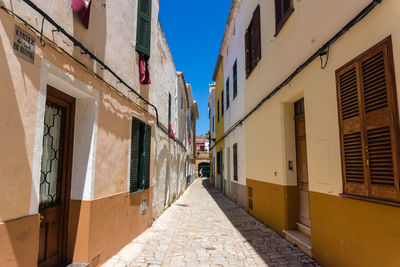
144, 69
171, 132
82, 9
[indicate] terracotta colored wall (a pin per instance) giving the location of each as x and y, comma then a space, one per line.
347, 232
100, 228
19, 242
17, 125
275, 205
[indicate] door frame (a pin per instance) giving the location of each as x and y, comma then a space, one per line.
57, 97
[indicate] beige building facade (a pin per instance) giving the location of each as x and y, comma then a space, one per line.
85, 159
321, 126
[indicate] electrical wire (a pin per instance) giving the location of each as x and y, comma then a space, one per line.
320, 51
91, 55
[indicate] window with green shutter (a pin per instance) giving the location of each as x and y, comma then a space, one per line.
140, 156
143, 32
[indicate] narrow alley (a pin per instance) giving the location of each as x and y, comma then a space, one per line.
208, 230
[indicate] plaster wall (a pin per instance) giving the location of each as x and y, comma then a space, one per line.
235, 52
107, 26
169, 173
270, 130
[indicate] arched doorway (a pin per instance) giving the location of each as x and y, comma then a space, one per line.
205, 166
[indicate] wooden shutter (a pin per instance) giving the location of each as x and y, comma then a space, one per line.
283, 10
169, 107
353, 160
147, 151
380, 109
278, 11
134, 168
143, 32
256, 36
227, 93
247, 48
235, 163
218, 162
369, 124
222, 103
235, 79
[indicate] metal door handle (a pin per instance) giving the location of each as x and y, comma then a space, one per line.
41, 218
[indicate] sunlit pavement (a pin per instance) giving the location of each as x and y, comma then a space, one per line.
204, 228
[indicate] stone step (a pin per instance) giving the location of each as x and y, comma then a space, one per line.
304, 229
300, 239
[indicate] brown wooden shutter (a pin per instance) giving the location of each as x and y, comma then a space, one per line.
134, 168
278, 11
351, 131
369, 124
247, 48
256, 36
380, 109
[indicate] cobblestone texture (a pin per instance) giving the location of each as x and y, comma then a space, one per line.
204, 228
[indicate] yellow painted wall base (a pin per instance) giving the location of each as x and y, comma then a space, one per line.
346, 232
275, 205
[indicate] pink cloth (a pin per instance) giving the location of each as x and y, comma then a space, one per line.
83, 11
144, 70
171, 132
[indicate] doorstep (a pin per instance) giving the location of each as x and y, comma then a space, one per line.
300, 239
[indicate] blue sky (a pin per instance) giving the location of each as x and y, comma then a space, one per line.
194, 31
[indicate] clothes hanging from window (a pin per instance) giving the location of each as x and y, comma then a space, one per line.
144, 69
82, 9
171, 131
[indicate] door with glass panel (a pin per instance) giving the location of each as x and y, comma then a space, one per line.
55, 178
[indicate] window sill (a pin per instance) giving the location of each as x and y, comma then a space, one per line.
138, 192
371, 200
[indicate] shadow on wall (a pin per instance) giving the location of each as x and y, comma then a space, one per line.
268, 244
16, 237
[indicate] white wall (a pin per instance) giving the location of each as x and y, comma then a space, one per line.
235, 51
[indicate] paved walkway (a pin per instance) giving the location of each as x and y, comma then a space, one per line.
204, 228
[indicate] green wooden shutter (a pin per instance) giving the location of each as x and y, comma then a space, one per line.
143, 32
147, 151
134, 171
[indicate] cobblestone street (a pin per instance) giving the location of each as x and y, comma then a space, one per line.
204, 228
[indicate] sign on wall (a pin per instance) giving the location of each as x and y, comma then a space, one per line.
24, 44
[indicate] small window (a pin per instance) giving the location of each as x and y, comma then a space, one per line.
235, 162
369, 124
253, 42
235, 79
227, 93
218, 110
169, 106
283, 10
219, 159
181, 102
140, 156
222, 103
143, 30
213, 123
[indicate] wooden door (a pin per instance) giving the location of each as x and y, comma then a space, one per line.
228, 171
55, 178
302, 170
